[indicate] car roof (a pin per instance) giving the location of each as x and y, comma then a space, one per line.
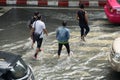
114, 3
7, 59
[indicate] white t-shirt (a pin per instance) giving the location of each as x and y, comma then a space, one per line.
39, 26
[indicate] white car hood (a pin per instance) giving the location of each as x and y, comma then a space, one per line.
116, 45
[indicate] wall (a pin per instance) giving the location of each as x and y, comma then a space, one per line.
54, 3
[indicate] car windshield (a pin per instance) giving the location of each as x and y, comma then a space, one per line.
19, 70
118, 1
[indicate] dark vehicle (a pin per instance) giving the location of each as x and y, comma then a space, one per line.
12, 67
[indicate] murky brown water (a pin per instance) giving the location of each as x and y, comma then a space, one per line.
88, 60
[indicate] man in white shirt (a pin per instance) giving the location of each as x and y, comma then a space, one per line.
39, 29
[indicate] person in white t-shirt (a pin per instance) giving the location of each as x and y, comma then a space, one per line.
39, 29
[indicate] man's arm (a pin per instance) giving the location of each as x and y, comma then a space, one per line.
77, 17
68, 34
45, 31
31, 32
86, 17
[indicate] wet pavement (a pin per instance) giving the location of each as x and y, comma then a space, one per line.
88, 60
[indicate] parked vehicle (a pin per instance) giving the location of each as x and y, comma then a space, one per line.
112, 10
114, 56
12, 67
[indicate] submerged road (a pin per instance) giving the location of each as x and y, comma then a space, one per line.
88, 60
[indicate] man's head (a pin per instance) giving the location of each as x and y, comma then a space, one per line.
64, 23
81, 6
39, 17
36, 13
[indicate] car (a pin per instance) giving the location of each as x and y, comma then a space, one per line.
112, 10
13, 67
114, 56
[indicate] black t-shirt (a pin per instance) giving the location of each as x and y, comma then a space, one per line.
81, 15
31, 22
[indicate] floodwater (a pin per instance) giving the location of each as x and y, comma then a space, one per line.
88, 60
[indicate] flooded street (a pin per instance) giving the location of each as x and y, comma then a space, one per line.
88, 60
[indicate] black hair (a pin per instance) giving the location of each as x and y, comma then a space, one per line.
64, 23
39, 16
81, 6
36, 13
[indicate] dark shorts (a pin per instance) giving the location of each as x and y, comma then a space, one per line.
39, 42
38, 39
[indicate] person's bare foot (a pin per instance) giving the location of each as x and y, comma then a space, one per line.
82, 38
58, 56
68, 54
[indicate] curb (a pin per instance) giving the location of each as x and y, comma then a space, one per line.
4, 10
56, 3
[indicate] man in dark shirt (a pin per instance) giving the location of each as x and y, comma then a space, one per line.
83, 21
33, 19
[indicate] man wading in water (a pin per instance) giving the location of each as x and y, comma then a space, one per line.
83, 21
63, 35
38, 29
